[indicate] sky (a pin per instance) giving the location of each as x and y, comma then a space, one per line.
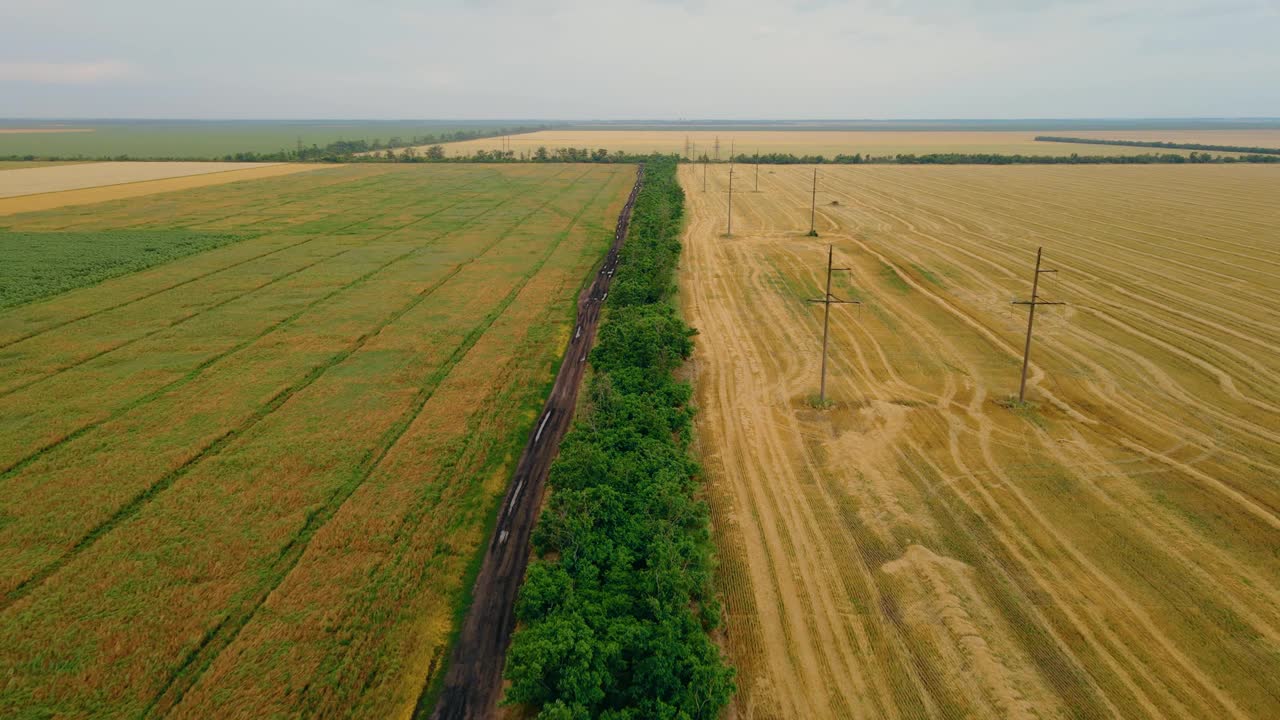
639, 59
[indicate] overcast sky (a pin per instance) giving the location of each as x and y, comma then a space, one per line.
613, 59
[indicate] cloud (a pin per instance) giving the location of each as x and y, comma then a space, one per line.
640, 58
65, 73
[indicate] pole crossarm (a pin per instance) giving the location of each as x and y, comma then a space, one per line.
827, 301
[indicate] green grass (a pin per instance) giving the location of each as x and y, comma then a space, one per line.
927, 275
207, 138
40, 264
891, 277
260, 467
22, 164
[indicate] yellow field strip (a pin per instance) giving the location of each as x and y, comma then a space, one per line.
86, 196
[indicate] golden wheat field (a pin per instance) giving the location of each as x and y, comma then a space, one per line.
44, 186
923, 547
57, 178
831, 143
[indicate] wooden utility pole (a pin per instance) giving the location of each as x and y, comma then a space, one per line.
1031, 318
704, 174
729, 232
717, 148
827, 300
813, 207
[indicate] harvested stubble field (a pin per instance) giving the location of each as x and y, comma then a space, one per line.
43, 186
828, 143
922, 548
57, 178
251, 482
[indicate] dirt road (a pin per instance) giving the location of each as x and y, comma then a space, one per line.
921, 549
473, 684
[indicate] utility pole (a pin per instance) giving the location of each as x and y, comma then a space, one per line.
717, 148
827, 300
813, 207
1031, 318
757, 169
729, 231
704, 173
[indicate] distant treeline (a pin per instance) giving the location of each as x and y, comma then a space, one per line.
584, 155
601, 155
337, 151
436, 153
1160, 144
999, 159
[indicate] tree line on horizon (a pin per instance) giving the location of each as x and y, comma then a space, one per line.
1160, 144
336, 151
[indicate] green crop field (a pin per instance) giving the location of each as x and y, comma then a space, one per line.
256, 475
203, 138
20, 164
41, 264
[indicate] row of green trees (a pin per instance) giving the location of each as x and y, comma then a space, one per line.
1160, 144
777, 158
617, 607
337, 151
1002, 159
348, 150
601, 155
436, 153
1073, 159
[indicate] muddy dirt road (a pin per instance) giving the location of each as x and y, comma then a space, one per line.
473, 684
